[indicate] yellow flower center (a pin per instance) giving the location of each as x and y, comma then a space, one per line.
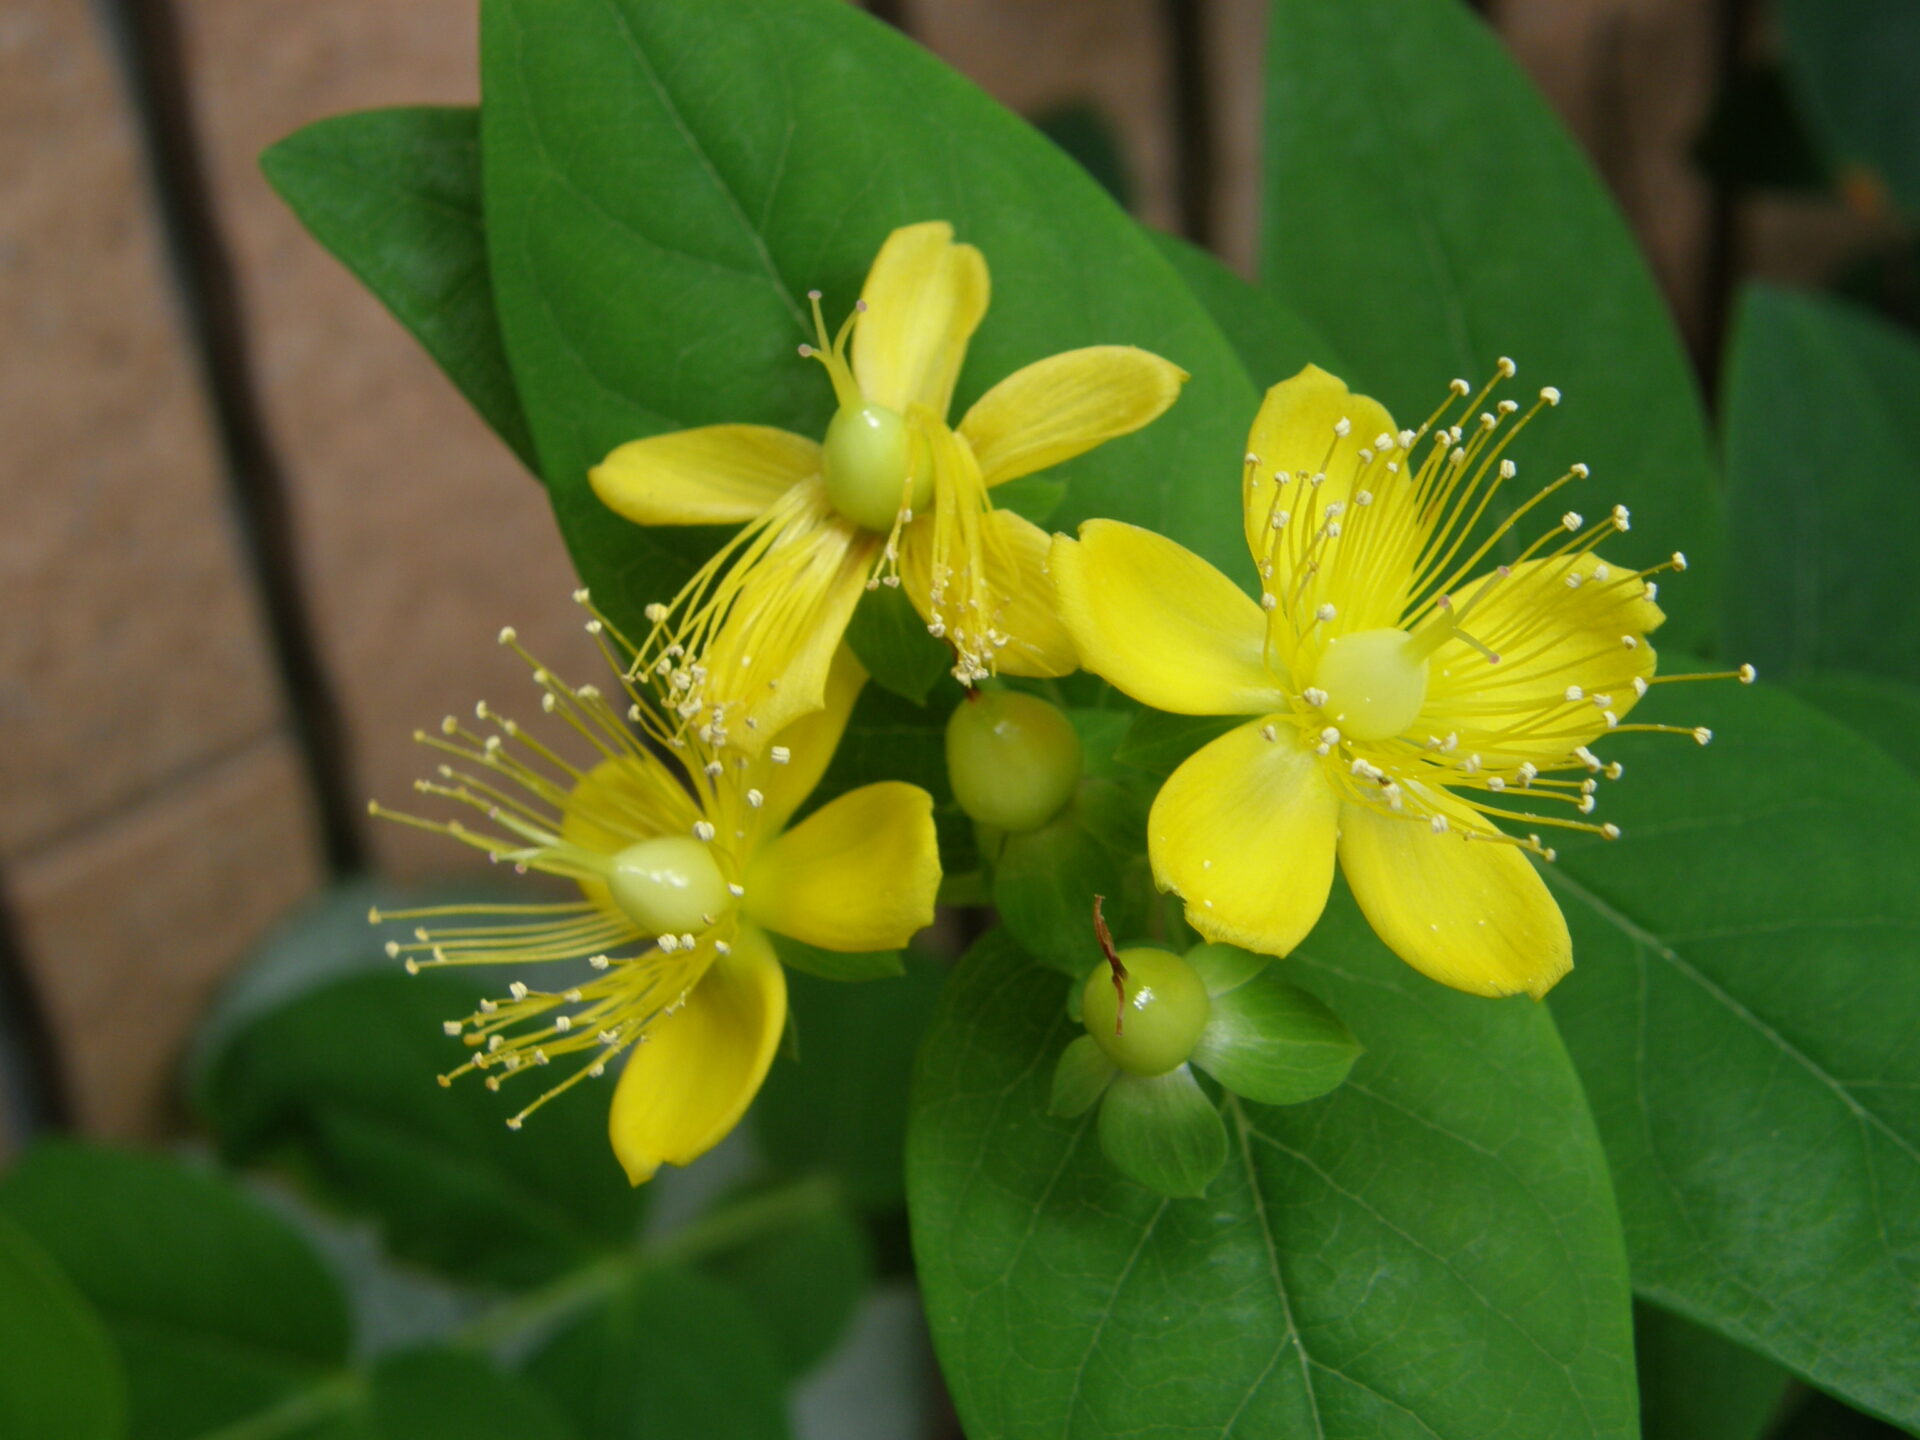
868, 463
669, 885
1375, 683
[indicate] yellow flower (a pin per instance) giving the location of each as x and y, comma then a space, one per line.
892, 494
683, 870
1403, 703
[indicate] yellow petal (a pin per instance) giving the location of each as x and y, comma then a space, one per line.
1473, 914
700, 1067
716, 475
808, 745
1065, 405
618, 803
925, 297
1016, 559
787, 587
1298, 434
859, 873
1243, 832
1157, 621
1550, 636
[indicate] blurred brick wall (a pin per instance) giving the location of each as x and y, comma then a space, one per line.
160, 811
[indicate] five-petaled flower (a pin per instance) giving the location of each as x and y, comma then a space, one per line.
892, 494
683, 870
1403, 700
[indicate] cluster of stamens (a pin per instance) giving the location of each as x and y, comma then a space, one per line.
593, 823
1362, 562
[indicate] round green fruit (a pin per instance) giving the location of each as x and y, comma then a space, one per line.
1160, 1019
1013, 760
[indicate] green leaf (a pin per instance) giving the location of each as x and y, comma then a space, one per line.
1080, 1078
891, 640
838, 964
889, 738
1273, 1042
1821, 454
1158, 742
803, 1282
1886, 712
1694, 1385
1851, 62
1162, 1131
395, 195
1742, 1011
665, 181
842, 1107
670, 1354
1272, 340
1424, 207
217, 1307
1445, 1215
61, 1375
1044, 881
446, 1395
343, 1078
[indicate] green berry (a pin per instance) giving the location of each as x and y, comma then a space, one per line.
1013, 760
1165, 1009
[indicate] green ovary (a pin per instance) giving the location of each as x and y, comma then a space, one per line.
1375, 683
1160, 1020
869, 453
669, 885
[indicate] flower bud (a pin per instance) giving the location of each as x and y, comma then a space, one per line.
1013, 760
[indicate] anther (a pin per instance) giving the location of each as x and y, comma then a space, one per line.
703, 830
1550, 394
1506, 368
1747, 674
1702, 734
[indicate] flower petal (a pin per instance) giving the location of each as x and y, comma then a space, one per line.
1160, 623
787, 588
1063, 406
860, 873
1297, 434
808, 743
1243, 832
1553, 639
716, 475
1470, 913
1015, 552
925, 297
700, 1068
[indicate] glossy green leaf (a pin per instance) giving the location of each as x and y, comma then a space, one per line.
1743, 1012
1430, 1250
1157, 742
666, 180
838, 964
1695, 1385
1886, 712
395, 195
802, 1282
670, 1354
61, 1375
1427, 212
1080, 1077
891, 640
1272, 340
342, 1080
1271, 1041
216, 1306
1821, 458
1851, 63
842, 1106
1044, 882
